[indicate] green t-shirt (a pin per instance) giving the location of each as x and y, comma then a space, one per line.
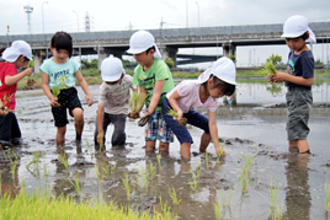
158, 71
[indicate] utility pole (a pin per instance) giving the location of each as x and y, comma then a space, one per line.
28, 10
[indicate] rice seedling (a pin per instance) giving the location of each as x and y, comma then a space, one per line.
158, 157
222, 149
273, 196
173, 195
207, 159
153, 171
13, 164
76, 185
137, 100
244, 179
127, 186
226, 201
165, 211
327, 195
89, 147
101, 141
144, 176
193, 182
278, 214
62, 158
174, 114
35, 161
217, 211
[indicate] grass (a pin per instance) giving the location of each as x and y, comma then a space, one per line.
273, 196
34, 207
217, 211
137, 100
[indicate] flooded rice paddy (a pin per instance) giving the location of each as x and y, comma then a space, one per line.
257, 162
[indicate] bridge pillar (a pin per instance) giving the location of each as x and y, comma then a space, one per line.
38, 57
169, 52
102, 54
229, 49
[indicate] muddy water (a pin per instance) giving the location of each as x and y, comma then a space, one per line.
253, 129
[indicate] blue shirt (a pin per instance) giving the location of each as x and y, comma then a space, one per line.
300, 65
60, 75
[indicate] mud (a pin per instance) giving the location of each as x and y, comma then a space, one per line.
253, 130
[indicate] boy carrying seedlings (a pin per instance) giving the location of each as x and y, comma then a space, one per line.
153, 76
113, 104
299, 80
15, 57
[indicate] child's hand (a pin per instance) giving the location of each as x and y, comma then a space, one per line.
279, 77
53, 102
3, 111
89, 100
220, 152
133, 115
28, 72
179, 117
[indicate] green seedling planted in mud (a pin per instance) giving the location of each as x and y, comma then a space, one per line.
278, 214
153, 171
226, 201
13, 164
76, 185
217, 211
158, 157
62, 158
173, 195
35, 161
244, 179
144, 176
327, 195
273, 196
127, 186
193, 182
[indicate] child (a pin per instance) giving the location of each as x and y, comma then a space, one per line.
153, 76
15, 57
59, 73
215, 82
113, 102
299, 80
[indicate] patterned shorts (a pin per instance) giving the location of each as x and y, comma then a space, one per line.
156, 129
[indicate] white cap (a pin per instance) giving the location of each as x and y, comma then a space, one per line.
111, 69
17, 48
296, 26
223, 68
141, 41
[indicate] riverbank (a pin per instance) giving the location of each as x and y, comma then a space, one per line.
92, 77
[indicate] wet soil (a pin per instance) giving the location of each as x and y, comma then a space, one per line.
253, 132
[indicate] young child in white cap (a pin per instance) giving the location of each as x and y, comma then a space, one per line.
153, 76
15, 57
185, 98
299, 80
113, 104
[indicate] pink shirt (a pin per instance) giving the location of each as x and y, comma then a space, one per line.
188, 90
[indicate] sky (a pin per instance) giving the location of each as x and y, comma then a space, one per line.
106, 15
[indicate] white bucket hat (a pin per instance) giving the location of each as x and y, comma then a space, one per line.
223, 68
296, 26
17, 48
111, 69
141, 41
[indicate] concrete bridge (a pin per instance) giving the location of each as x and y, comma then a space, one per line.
169, 40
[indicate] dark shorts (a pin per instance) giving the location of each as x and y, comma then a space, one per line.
68, 99
10, 132
193, 117
299, 103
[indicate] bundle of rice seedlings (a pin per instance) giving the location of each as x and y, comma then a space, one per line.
174, 114
137, 100
270, 67
31, 64
56, 91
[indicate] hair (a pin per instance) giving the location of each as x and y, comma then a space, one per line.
226, 88
62, 40
305, 35
151, 48
1, 51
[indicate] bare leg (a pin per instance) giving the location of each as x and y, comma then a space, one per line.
60, 135
78, 115
205, 141
185, 150
303, 146
150, 146
293, 146
163, 148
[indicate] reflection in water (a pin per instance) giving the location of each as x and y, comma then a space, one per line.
9, 164
298, 198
